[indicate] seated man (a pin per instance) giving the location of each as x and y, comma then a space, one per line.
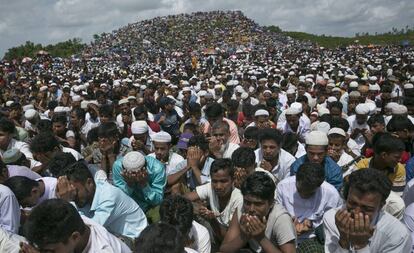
223, 198
250, 138
178, 211
31, 192
143, 178
55, 225
317, 152
161, 142
271, 157
161, 237
195, 170
337, 143
219, 144
101, 202
306, 196
261, 223
361, 225
140, 139
214, 112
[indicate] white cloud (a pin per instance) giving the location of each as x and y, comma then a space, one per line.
50, 21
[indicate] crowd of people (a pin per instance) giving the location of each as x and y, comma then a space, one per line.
206, 133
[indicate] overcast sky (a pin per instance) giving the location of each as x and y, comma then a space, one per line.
51, 21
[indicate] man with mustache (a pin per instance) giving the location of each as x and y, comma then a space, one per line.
219, 144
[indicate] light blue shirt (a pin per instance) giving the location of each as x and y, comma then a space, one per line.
153, 193
9, 210
191, 180
115, 210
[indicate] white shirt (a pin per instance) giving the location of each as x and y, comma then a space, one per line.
24, 148
345, 159
231, 147
9, 242
353, 124
394, 205
313, 208
301, 151
201, 237
389, 236
173, 160
75, 153
50, 189
354, 147
302, 130
282, 168
100, 240
206, 192
9, 210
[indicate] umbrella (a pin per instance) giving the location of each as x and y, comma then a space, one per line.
26, 59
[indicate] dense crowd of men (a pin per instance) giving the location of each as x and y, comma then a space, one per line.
205, 133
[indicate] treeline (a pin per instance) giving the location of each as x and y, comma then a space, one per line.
394, 37
61, 49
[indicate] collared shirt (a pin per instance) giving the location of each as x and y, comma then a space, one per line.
281, 169
389, 236
114, 210
333, 173
313, 208
9, 210
191, 180
173, 160
100, 240
153, 193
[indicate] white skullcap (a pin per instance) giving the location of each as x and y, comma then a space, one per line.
261, 112
244, 95
317, 138
251, 89
28, 107
394, 94
290, 91
373, 78
186, 89
143, 87
217, 86
202, 93
332, 99
323, 127
84, 104
133, 161
267, 91
337, 130
9, 103
161, 137
391, 105
331, 85
139, 127
399, 110
353, 84
30, 114
362, 108
372, 108
292, 111
76, 98
297, 106
336, 89
131, 98
354, 93
323, 111
123, 101
374, 87
291, 73
408, 86
43, 88
61, 109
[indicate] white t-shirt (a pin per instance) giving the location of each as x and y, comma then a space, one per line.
230, 149
50, 188
173, 161
282, 168
205, 192
201, 237
75, 153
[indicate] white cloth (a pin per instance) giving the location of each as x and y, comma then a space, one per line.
325, 198
173, 160
301, 151
206, 192
353, 124
50, 189
282, 168
75, 153
389, 236
302, 130
409, 222
9, 242
200, 237
354, 147
9, 210
231, 147
24, 148
100, 240
394, 205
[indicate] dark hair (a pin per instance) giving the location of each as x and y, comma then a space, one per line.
59, 118
408, 101
369, 181
160, 237
7, 125
108, 129
214, 110
222, 164
233, 104
221, 124
92, 135
251, 133
199, 141
59, 162
80, 113
21, 186
376, 119
243, 157
140, 110
271, 134
336, 104
177, 211
340, 123
326, 118
44, 125
385, 142
106, 110
386, 88
43, 142
52, 221
301, 99
78, 172
260, 185
310, 175
399, 123
194, 108
289, 140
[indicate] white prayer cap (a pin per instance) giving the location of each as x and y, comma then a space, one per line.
373, 78
297, 106
9, 103
43, 88
391, 105
374, 87
161, 137
143, 87
53, 84
331, 85
337, 130
244, 95
408, 86
123, 101
348, 76
131, 98
84, 104
332, 99
28, 107
133, 161
323, 127
317, 138
362, 108
354, 93
30, 114
292, 111
251, 89
76, 98
239, 89
61, 109
217, 86
291, 73
202, 93
372, 108
186, 89
336, 89
399, 110
261, 112
323, 111
394, 94
139, 127
267, 91
353, 84
290, 91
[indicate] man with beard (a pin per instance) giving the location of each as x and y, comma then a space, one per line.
219, 143
102, 202
271, 157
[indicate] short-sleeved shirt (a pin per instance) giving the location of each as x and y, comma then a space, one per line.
206, 192
50, 188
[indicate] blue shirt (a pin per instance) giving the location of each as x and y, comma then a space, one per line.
409, 169
333, 173
153, 193
115, 210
